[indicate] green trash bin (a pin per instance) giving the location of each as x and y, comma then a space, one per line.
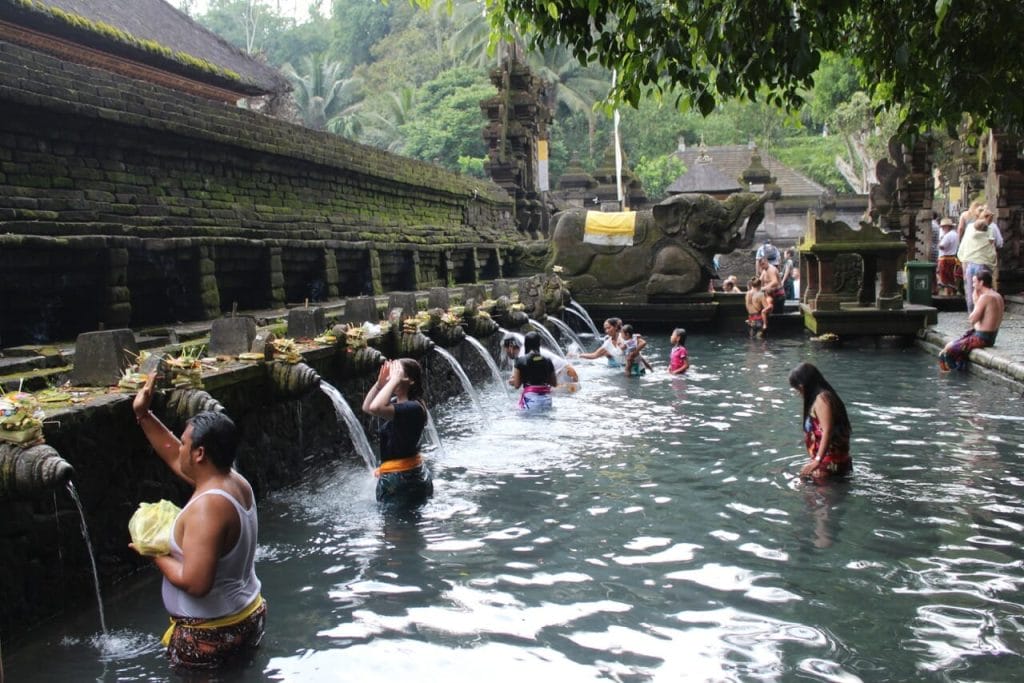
920, 277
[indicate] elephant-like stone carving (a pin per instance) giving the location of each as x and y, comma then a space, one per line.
672, 251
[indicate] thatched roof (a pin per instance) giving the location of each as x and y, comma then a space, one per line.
155, 33
732, 160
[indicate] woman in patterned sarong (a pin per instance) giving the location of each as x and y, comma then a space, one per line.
826, 425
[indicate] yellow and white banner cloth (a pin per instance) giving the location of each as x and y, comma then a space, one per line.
614, 228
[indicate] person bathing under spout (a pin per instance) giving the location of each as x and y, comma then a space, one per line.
210, 586
403, 479
535, 374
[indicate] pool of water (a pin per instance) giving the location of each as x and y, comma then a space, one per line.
646, 529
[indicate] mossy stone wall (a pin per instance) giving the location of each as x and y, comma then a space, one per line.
118, 196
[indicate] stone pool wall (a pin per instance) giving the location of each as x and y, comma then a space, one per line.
46, 568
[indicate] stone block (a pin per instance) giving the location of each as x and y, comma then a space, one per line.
438, 298
262, 344
500, 288
232, 336
306, 323
360, 309
101, 357
476, 292
405, 301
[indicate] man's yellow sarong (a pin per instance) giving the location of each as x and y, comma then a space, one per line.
220, 622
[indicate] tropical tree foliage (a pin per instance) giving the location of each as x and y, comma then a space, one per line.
448, 123
658, 173
929, 59
326, 100
399, 54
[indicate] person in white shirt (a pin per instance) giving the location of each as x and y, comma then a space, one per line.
947, 266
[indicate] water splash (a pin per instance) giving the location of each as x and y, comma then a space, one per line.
493, 366
355, 429
577, 309
573, 337
547, 337
92, 557
466, 384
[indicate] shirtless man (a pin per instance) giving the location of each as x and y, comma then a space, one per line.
986, 318
771, 283
759, 307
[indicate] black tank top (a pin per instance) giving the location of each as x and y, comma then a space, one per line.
535, 369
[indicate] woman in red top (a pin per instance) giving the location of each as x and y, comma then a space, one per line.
826, 425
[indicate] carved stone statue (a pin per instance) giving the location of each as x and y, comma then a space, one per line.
673, 245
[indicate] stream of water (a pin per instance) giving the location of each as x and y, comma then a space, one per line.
351, 421
645, 529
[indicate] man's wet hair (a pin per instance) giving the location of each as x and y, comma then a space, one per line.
217, 434
510, 341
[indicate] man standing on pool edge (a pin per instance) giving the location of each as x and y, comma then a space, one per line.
210, 586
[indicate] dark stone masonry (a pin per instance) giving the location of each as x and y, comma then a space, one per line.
124, 204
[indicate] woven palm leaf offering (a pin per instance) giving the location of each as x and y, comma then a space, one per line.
21, 419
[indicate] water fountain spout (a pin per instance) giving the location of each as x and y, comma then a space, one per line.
25, 472
184, 403
291, 380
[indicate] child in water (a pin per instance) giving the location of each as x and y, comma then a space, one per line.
632, 346
678, 360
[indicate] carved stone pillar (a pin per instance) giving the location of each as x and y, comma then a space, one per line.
827, 299
889, 296
869, 275
810, 266
209, 290
276, 296
117, 310
1005, 190
331, 273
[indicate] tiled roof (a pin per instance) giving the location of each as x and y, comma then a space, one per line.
732, 160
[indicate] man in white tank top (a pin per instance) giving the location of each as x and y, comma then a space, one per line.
210, 586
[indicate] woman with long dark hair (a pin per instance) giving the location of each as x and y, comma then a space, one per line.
397, 396
826, 425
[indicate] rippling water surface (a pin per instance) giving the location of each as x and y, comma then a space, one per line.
644, 530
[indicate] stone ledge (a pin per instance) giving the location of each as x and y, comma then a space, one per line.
987, 362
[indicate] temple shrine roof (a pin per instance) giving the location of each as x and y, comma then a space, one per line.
728, 162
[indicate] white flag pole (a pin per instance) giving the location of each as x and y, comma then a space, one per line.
618, 152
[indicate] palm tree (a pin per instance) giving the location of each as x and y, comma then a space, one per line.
577, 88
383, 129
326, 100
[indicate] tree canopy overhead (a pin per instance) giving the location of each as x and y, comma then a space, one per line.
936, 60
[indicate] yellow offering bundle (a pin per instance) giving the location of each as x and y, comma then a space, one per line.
150, 527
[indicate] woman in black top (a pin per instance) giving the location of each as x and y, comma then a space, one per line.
535, 373
397, 396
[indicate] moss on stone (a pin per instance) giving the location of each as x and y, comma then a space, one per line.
116, 35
